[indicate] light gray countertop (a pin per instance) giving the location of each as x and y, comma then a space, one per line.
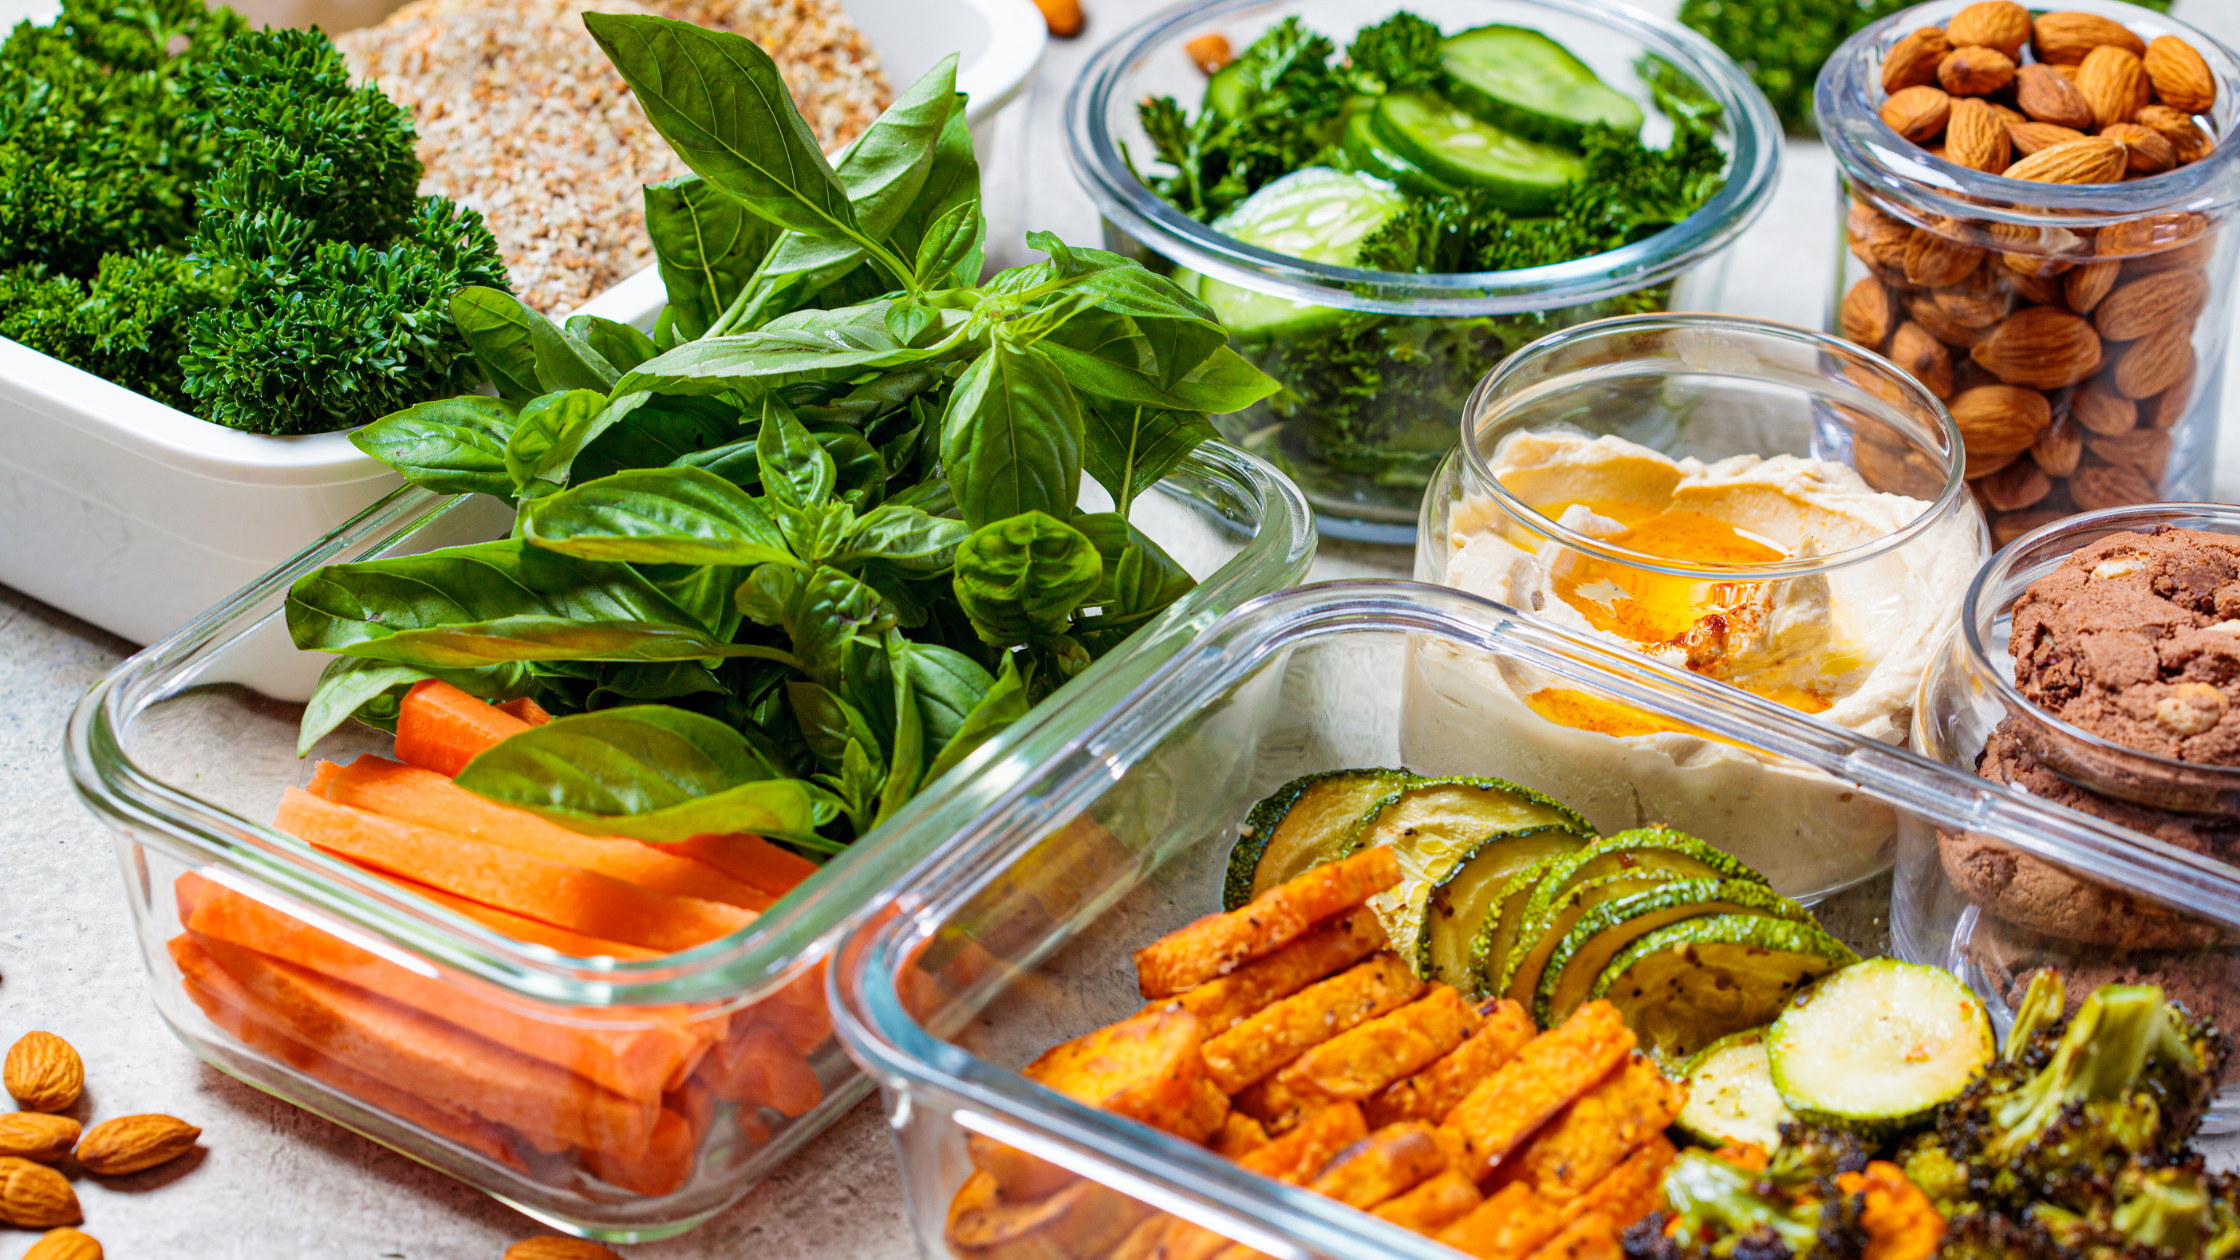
272, 1183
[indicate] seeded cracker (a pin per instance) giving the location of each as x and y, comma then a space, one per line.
521, 116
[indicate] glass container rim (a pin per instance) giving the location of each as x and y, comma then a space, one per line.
1976, 618
876, 1025
734, 969
1948, 499
1870, 152
1756, 155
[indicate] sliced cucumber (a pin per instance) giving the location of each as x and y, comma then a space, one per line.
1304, 824
1731, 1096
1460, 904
1875, 1047
1518, 175
1317, 214
1683, 987
1522, 81
1365, 152
1577, 961
1225, 90
1542, 932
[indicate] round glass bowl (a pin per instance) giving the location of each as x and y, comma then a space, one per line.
1750, 502
2106, 391
1364, 417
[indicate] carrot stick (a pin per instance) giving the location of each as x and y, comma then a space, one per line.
636, 1062
187, 890
321, 775
230, 1007
758, 1068
660, 1168
796, 1013
748, 859
427, 799
527, 710
556, 892
442, 1064
573, 944
442, 728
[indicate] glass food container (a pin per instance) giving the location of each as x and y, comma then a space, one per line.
617, 1098
1970, 899
2079, 332
1021, 936
1364, 417
1755, 503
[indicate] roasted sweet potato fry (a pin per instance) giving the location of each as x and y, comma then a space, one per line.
1589, 1137
1509, 1225
1240, 1136
1591, 1236
1388, 1162
1209, 1110
1900, 1221
1146, 1068
1308, 1018
1630, 1191
1218, 944
1363, 1060
1083, 1220
1019, 1177
1553, 1069
1334, 944
1436, 1090
1432, 1205
1301, 1153
1748, 1155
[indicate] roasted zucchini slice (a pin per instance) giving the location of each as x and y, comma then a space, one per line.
1731, 1096
1497, 932
1597, 936
1875, 1047
1528, 957
1301, 826
1683, 987
1460, 904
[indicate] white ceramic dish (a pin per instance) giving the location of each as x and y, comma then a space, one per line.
135, 516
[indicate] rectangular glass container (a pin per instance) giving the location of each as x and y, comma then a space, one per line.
1021, 937
561, 1097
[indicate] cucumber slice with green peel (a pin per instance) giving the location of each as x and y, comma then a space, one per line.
1460, 904
1567, 979
1301, 826
1522, 81
1685, 986
1318, 214
1518, 175
1731, 1096
1365, 152
1874, 1048
1659, 849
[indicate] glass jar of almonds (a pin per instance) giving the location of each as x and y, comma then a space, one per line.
2035, 207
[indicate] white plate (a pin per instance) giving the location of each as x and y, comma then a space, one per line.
135, 516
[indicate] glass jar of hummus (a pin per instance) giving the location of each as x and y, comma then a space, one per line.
2042, 250
1746, 501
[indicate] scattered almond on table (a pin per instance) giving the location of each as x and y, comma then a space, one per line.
34, 1196
130, 1144
43, 1072
35, 1135
64, 1244
1063, 17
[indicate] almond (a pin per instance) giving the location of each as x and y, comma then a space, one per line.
2187, 142
2091, 160
1999, 24
36, 1135
2047, 97
1923, 310
2066, 38
2043, 347
2000, 419
64, 1244
2153, 364
2033, 288
2006, 114
555, 1248
2147, 450
1981, 466
1975, 71
1866, 313
2165, 301
2031, 137
2180, 76
2191, 256
1915, 350
2013, 525
2164, 410
130, 1144
1933, 261
43, 1072
1876, 237
2083, 288
2058, 448
1978, 301
1912, 61
2147, 152
1975, 138
2171, 240
2018, 485
2097, 484
2103, 411
34, 1196
1210, 51
2110, 79
1917, 113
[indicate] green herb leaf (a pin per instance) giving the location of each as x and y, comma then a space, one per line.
953, 181
1130, 446
805, 345
707, 247
1004, 703
450, 445
656, 516
1140, 578
347, 684
495, 325
1020, 579
948, 241
552, 429
618, 345
828, 722
904, 537
822, 612
1011, 437
797, 472
907, 760
1225, 382
950, 685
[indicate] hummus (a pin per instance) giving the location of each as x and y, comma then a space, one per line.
1847, 645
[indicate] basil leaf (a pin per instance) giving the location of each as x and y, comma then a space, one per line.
1224, 382
656, 516
948, 241
1020, 579
1004, 703
735, 462
828, 722
651, 772
907, 760
566, 361
707, 247
904, 537
618, 345
649, 431
814, 533
859, 471
1011, 437
1129, 447
797, 472
807, 344
721, 104
821, 612
703, 591
449, 445
372, 691
653, 680
949, 686
1123, 286
551, 429
953, 181
495, 325
1140, 578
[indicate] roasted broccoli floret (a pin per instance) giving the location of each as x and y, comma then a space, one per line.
1717, 1209
1997, 1236
1810, 1154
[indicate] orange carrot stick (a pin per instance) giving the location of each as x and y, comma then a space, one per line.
573, 944
556, 892
321, 775
660, 1168
442, 728
527, 710
758, 1068
427, 799
748, 859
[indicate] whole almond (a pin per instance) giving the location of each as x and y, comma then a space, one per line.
555, 1248
2180, 76
1876, 237
34, 1196
1980, 466
1210, 52
1999, 24
2083, 288
2019, 485
2101, 410
2066, 38
1917, 113
2153, 364
2048, 97
2147, 450
64, 1244
2059, 448
1866, 313
37, 1135
1933, 261
2043, 347
1975, 71
2030, 286
1975, 138
2165, 301
2007, 115
130, 1144
2147, 152
1922, 308
2187, 143
1915, 350
2098, 484
2009, 526
2109, 78
2164, 410
1978, 301
43, 1072
2033, 137
2091, 160
1912, 61
2157, 235
2000, 419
